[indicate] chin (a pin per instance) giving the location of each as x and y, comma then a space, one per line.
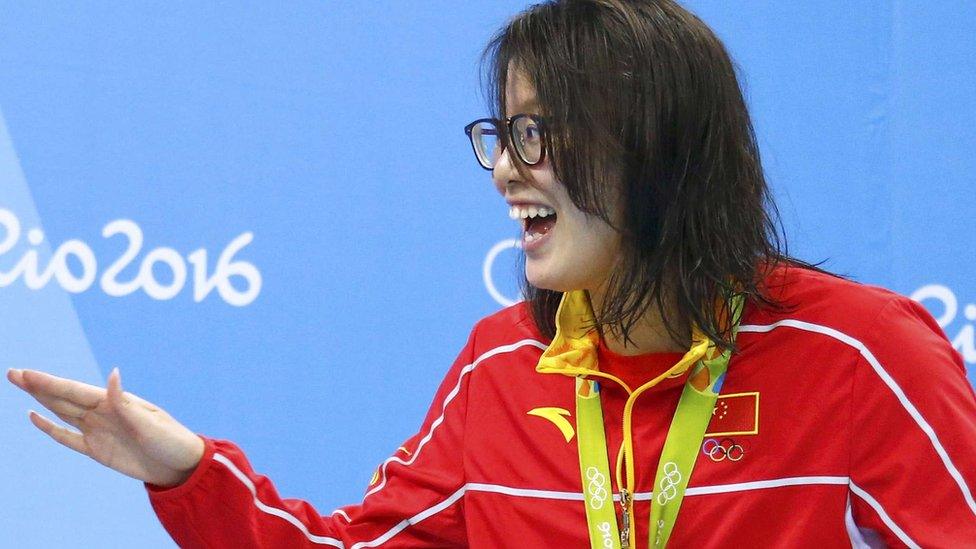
544, 279
540, 280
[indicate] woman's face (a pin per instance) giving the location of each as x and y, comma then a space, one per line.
567, 251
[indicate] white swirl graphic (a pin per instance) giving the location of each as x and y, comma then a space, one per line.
204, 282
965, 340
489, 263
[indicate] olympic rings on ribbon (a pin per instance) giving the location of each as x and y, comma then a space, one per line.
669, 483
596, 488
720, 450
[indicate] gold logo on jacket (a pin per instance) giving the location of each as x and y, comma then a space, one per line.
558, 418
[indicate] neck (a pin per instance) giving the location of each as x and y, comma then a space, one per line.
647, 335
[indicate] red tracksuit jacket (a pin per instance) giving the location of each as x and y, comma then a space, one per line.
845, 421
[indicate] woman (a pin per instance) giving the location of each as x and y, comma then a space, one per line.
599, 411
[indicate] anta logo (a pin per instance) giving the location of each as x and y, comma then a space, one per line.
558, 418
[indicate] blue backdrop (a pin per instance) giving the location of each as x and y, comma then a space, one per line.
269, 217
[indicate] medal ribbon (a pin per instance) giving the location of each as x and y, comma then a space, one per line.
594, 469
573, 352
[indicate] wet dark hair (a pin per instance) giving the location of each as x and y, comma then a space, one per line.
643, 108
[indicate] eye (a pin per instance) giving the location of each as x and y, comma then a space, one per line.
528, 131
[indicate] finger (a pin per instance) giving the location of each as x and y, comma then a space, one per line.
62, 407
66, 437
113, 389
71, 420
119, 399
129, 408
16, 377
56, 405
83, 394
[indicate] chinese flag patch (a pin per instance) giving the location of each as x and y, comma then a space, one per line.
735, 414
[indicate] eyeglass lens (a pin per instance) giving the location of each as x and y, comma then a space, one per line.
487, 146
526, 140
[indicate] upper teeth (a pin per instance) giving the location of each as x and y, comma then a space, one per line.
525, 212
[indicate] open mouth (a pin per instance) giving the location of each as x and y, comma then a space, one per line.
537, 220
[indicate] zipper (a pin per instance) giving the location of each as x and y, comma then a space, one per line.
626, 497
625, 503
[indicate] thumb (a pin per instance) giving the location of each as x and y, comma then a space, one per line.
114, 394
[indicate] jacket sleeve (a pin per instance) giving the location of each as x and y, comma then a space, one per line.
413, 499
913, 465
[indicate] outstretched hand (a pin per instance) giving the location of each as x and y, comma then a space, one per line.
115, 428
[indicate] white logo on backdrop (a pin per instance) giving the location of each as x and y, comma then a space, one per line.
965, 340
203, 282
487, 268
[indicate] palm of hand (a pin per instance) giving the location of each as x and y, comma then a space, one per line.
115, 428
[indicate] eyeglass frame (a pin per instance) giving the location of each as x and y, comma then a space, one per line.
507, 125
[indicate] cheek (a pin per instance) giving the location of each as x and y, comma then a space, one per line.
598, 236
603, 250
594, 247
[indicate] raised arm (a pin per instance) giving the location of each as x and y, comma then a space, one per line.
115, 428
206, 493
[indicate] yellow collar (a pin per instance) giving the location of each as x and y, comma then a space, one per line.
573, 349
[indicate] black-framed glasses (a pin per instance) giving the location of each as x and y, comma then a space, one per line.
526, 133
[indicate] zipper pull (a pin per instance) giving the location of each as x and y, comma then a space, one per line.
625, 519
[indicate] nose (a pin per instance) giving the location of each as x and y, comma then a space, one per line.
504, 173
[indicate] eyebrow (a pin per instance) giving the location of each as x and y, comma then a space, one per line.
531, 107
